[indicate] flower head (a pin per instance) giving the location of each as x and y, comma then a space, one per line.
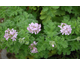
52, 43
34, 28
10, 33
65, 29
33, 48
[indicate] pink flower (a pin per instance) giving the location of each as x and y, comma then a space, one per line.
10, 33
52, 45
62, 24
65, 29
13, 38
34, 43
6, 36
34, 28
33, 48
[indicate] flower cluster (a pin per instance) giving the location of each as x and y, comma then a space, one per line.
65, 29
10, 33
52, 43
33, 48
34, 28
21, 40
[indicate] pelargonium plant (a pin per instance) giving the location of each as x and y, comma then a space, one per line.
39, 32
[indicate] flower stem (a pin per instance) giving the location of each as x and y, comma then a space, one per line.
72, 39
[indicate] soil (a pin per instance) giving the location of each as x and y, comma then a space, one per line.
5, 55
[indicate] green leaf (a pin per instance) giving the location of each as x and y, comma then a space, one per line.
55, 7
43, 17
45, 9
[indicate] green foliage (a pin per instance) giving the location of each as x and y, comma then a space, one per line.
9, 11
19, 18
48, 13
34, 10
67, 8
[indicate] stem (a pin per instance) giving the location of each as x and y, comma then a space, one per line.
72, 39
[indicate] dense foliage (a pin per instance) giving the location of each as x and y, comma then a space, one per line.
49, 39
